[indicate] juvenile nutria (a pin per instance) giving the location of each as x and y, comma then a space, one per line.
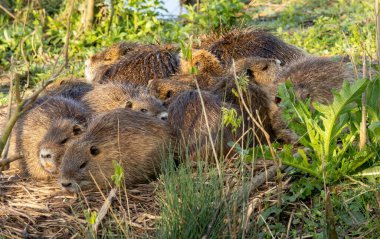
239, 44
164, 89
98, 62
186, 117
315, 77
135, 140
68, 87
42, 133
114, 95
143, 64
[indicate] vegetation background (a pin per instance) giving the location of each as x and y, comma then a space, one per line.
332, 187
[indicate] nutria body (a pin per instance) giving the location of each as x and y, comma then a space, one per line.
186, 117
42, 134
135, 140
143, 64
97, 64
69, 88
240, 44
315, 77
114, 95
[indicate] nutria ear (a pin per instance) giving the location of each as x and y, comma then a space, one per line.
265, 67
62, 82
77, 129
128, 104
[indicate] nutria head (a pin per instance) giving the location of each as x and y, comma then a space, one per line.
148, 105
164, 89
53, 144
262, 71
204, 61
106, 58
133, 139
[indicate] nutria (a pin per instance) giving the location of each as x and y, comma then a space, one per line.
98, 62
239, 44
315, 77
114, 95
42, 134
164, 89
135, 140
68, 87
186, 117
143, 64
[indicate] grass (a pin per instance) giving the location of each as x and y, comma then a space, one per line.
195, 201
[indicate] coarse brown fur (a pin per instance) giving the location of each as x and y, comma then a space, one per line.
68, 87
99, 62
114, 95
239, 44
133, 139
166, 88
42, 133
315, 77
143, 64
186, 117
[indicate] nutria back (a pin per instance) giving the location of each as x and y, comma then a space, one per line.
186, 117
315, 77
138, 142
68, 87
42, 133
239, 44
99, 62
144, 64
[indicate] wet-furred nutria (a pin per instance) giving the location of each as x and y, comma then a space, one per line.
239, 44
133, 139
186, 117
68, 87
315, 77
115, 95
99, 62
42, 134
143, 64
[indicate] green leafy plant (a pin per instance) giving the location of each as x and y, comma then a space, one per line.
118, 176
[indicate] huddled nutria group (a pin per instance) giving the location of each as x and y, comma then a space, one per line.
139, 103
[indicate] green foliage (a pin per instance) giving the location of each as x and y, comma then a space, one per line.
90, 217
118, 176
331, 152
231, 117
189, 202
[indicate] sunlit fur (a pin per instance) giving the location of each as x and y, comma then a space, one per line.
42, 120
134, 139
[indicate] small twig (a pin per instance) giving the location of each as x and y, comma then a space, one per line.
363, 123
103, 210
68, 35
7, 161
7, 12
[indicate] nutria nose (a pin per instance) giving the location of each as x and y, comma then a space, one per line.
45, 154
163, 116
66, 184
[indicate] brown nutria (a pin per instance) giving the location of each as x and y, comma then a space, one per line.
315, 77
69, 88
133, 139
98, 62
114, 95
239, 44
204, 61
143, 64
164, 89
42, 133
186, 117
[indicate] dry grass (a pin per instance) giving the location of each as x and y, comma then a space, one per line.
30, 208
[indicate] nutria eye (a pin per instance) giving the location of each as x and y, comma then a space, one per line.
128, 104
197, 64
169, 94
144, 110
250, 73
83, 165
64, 141
265, 67
94, 150
277, 100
